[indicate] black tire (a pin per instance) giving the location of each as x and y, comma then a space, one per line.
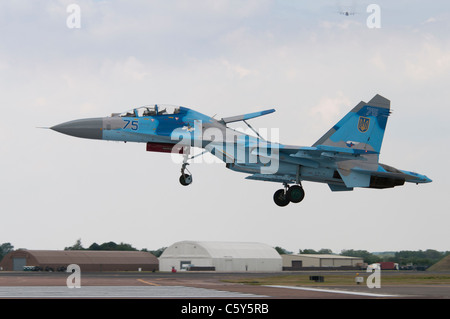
185, 179
280, 198
295, 194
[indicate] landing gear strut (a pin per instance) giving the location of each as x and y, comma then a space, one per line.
294, 194
185, 179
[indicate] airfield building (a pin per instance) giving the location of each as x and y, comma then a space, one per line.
220, 256
88, 260
302, 261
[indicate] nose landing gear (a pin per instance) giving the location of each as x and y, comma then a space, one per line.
185, 179
294, 194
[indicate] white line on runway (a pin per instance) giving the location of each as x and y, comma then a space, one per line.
118, 292
367, 294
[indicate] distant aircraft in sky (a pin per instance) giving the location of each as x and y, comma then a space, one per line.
347, 9
347, 156
347, 13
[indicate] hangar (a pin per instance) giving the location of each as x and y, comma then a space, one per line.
295, 262
220, 256
88, 260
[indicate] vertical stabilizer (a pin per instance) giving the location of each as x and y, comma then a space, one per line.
362, 128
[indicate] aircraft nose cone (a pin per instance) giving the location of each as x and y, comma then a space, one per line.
86, 128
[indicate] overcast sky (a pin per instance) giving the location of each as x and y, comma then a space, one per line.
224, 57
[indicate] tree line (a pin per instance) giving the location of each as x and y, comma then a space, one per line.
418, 257
112, 246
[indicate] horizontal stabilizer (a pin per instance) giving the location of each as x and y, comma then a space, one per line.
391, 173
387, 174
244, 117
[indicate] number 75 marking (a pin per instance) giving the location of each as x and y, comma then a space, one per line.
134, 124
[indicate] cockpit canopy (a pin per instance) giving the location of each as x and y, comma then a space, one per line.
150, 110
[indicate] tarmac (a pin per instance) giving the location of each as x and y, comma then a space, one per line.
203, 294
208, 285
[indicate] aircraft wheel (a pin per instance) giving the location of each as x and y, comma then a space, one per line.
185, 179
295, 194
280, 198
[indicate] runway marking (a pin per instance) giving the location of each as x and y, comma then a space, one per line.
117, 292
368, 294
147, 282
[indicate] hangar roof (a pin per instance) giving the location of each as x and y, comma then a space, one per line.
87, 256
210, 249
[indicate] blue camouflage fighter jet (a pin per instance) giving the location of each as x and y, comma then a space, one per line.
347, 156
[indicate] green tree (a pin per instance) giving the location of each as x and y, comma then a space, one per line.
307, 251
157, 252
282, 251
5, 248
124, 246
364, 254
105, 246
112, 246
323, 251
94, 246
420, 257
76, 246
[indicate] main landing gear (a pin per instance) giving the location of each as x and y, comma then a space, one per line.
294, 194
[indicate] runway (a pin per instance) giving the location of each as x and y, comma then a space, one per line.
207, 285
160, 292
118, 292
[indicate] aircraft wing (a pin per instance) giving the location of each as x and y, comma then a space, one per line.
271, 178
313, 156
353, 165
244, 117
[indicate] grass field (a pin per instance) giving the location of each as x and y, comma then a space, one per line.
348, 279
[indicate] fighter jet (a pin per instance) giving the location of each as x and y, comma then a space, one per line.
347, 156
